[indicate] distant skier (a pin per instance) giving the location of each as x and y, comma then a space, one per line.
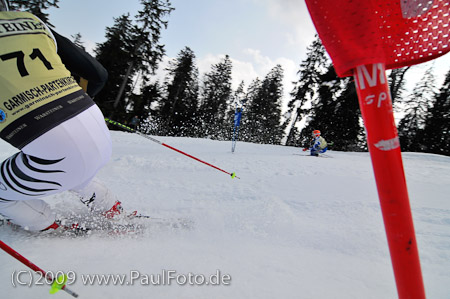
59, 130
319, 144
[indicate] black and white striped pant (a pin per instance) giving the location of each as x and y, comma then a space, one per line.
65, 158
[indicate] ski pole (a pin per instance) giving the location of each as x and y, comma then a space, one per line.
232, 174
59, 283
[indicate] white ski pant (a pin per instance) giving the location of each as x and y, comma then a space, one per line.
65, 158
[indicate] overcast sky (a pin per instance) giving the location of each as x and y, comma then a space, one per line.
256, 34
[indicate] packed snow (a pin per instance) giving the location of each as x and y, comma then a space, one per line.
291, 226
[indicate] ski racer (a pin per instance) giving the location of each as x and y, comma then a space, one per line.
60, 132
319, 144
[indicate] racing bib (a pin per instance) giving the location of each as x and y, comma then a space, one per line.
33, 79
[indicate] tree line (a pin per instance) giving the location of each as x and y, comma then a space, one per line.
185, 104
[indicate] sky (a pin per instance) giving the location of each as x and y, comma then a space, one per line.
256, 34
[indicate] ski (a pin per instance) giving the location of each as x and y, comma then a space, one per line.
94, 225
137, 225
319, 156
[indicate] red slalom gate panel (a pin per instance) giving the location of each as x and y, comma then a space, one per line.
363, 39
394, 32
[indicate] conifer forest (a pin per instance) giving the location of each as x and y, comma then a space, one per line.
187, 103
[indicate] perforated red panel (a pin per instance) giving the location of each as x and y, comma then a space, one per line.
395, 32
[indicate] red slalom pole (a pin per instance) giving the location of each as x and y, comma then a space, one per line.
232, 174
363, 39
35, 268
384, 146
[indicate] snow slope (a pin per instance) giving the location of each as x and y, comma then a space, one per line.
291, 227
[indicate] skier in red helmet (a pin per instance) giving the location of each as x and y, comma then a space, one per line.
319, 144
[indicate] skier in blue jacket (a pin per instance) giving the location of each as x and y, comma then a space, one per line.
319, 144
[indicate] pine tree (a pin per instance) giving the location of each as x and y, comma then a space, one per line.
148, 51
216, 94
436, 137
323, 108
345, 129
110, 54
264, 111
178, 109
248, 132
316, 63
397, 82
239, 99
335, 112
150, 95
131, 48
417, 105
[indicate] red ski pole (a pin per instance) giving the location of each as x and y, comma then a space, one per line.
232, 174
58, 284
